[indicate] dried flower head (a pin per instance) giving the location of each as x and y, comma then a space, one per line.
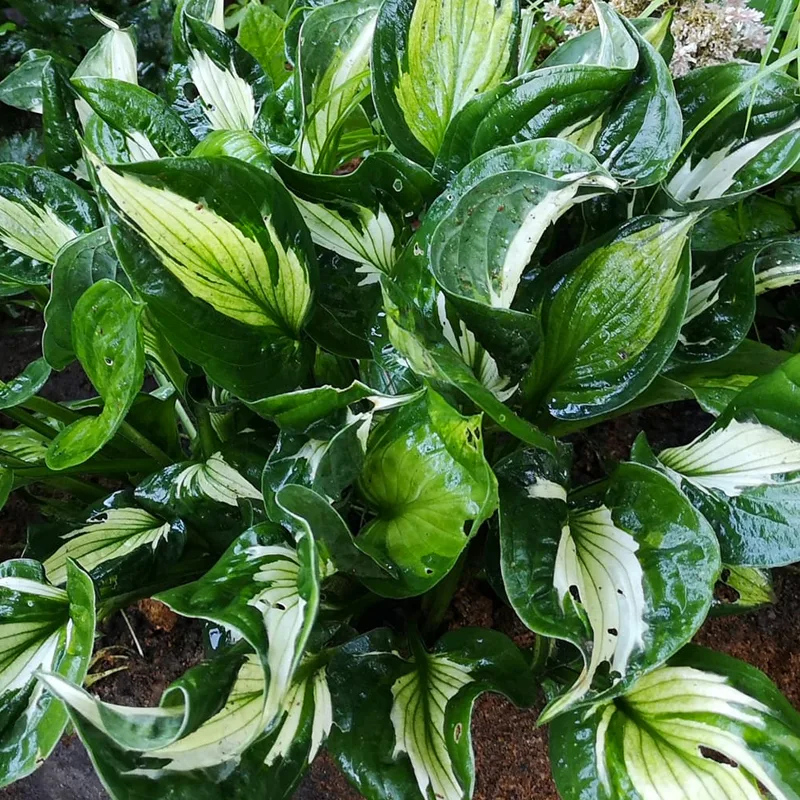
706, 32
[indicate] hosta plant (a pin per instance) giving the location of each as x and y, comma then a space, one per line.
344, 292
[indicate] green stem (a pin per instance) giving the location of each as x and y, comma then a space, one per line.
209, 443
111, 467
41, 294
59, 412
145, 445
78, 488
50, 409
29, 421
436, 602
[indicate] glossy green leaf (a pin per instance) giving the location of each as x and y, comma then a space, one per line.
628, 579
26, 385
430, 58
39, 213
402, 727
41, 627
706, 726
22, 87
750, 142
261, 34
599, 349
149, 127
641, 134
333, 61
427, 481
106, 335
6, 484
60, 118
80, 264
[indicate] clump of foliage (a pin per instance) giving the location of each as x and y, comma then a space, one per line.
342, 291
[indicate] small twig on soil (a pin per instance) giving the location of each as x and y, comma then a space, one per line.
133, 635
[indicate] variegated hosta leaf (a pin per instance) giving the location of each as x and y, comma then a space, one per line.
296, 411
308, 697
217, 480
356, 233
566, 97
418, 719
430, 487
474, 355
744, 477
430, 58
24, 444
328, 466
745, 142
497, 210
39, 213
334, 61
628, 580
198, 735
401, 727
108, 536
230, 84
244, 262
266, 590
704, 727
41, 627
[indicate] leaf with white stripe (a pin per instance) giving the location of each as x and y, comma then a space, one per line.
430, 58
217, 480
705, 727
498, 208
402, 727
334, 75
230, 86
267, 591
110, 535
356, 233
41, 627
40, 212
627, 579
744, 477
245, 253
569, 92
751, 141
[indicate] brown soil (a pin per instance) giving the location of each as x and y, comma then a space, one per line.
510, 752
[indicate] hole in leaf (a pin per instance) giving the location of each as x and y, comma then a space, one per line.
613, 631
109, 361
428, 571
280, 606
457, 731
576, 595
190, 92
715, 755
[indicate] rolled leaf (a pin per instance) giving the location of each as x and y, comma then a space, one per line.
107, 338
